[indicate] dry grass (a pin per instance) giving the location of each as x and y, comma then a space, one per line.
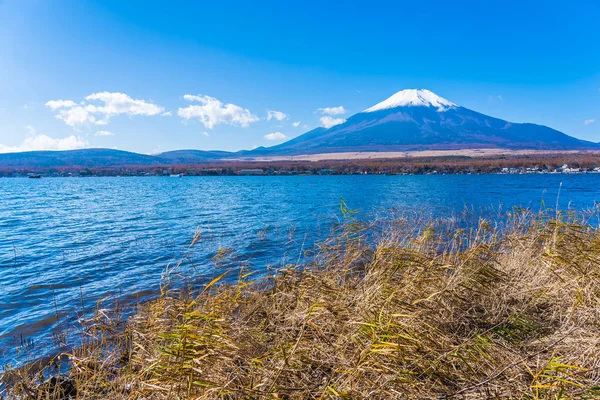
413, 313
366, 155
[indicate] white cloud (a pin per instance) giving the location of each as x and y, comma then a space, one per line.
30, 129
112, 104
296, 124
275, 136
213, 112
332, 110
120, 103
78, 116
589, 121
45, 142
104, 133
191, 97
328, 122
56, 104
205, 133
167, 114
278, 115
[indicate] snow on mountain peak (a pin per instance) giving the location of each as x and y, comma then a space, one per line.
413, 98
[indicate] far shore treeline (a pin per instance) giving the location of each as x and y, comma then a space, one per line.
531, 163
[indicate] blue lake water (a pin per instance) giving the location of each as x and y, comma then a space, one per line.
66, 243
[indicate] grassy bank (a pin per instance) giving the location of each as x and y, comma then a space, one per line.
406, 312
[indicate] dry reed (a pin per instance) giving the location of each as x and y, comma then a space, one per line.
423, 312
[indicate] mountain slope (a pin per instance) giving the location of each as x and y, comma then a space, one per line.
421, 120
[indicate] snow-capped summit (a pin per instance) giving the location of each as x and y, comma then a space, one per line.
413, 98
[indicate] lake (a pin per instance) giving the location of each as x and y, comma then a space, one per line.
66, 243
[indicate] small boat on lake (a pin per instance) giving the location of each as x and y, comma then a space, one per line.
34, 176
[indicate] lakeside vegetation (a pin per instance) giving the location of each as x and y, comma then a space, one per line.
531, 163
505, 309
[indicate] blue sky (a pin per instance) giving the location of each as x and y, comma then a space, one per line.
151, 76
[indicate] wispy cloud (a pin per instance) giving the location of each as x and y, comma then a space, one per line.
296, 124
328, 122
278, 115
275, 136
120, 103
30, 130
332, 110
104, 133
213, 112
56, 104
589, 121
37, 141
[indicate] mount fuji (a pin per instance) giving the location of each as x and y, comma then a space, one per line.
415, 119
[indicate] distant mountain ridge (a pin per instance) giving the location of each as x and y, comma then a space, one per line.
90, 158
104, 158
409, 120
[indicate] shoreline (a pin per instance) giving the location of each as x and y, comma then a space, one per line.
550, 162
